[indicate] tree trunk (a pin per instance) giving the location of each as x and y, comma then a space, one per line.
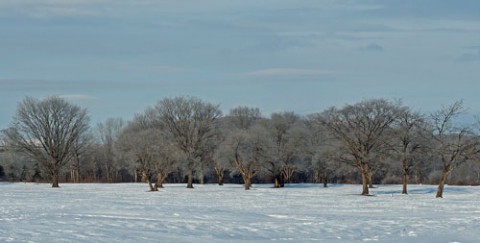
441, 185
276, 182
220, 175
76, 169
365, 183
190, 180
220, 178
247, 182
370, 179
152, 186
317, 177
160, 180
75, 175
405, 181
147, 178
55, 178
107, 173
287, 173
54, 173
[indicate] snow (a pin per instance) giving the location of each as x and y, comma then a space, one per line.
211, 213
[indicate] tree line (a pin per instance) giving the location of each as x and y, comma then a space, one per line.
188, 140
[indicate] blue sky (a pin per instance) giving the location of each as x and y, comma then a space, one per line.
116, 57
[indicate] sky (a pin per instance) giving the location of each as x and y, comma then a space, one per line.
117, 57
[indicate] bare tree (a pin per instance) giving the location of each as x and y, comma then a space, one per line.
217, 161
80, 147
239, 118
220, 163
242, 144
47, 130
211, 157
166, 161
244, 117
285, 136
154, 155
107, 134
319, 151
361, 128
190, 122
454, 145
409, 140
245, 149
140, 143
144, 149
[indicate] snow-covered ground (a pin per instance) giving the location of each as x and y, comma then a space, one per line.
211, 213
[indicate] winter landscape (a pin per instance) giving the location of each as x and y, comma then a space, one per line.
211, 213
221, 121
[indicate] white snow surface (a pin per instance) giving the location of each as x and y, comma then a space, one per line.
211, 213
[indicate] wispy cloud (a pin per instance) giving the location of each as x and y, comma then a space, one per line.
434, 25
61, 11
288, 72
473, 55
170, 69
31, 85
52, 8
372, 48
78, 97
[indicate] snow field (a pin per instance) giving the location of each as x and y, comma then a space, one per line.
211, 213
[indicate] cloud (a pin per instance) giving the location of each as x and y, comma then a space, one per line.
51, 8
270, 42
288, 72
56, 11
472, 56
170, 69
78, 97
31, 85
372, 48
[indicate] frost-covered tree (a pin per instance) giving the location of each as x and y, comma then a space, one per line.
152, 154
246, 151
243, 146
139, 142
285, 137
191, 124
320, 152
243, 117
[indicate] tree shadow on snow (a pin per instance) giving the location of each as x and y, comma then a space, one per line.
412, 191
427, 190
310, 185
